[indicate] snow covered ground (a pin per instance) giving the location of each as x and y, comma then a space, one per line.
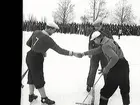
66, 76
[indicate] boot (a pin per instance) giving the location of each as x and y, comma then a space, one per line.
92, 103
103, 102
32, 97
126, 99
47, 101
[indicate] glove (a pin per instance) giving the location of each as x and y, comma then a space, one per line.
105, 70
78, 55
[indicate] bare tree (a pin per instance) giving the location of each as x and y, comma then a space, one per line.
32, 18
65, 12
139, 22
23, 17
84, 19
97, 9
123, 13
44, 19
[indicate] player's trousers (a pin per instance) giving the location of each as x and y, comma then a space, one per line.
118, 76
94, 64
34, 62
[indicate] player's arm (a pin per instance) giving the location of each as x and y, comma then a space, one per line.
94, 51
62, 51
113, 57
58, 49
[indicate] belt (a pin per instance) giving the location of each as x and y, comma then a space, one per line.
35, 52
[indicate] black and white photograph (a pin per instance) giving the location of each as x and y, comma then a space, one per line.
80, 52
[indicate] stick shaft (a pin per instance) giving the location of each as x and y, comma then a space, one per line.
82, 103
93, 87
24, 74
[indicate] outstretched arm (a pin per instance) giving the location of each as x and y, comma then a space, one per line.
94, 51
62, 51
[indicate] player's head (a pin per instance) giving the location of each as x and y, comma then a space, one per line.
96, 37
51, 27
98, 24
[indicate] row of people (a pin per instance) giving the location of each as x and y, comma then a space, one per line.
83, 29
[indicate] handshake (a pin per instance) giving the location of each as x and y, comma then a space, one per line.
78, 55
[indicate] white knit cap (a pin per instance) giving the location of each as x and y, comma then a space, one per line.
95, 35
52, 24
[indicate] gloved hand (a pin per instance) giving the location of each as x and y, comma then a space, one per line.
104, 71
78, 55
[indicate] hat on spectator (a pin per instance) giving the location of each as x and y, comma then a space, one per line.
98, 22
95, 35
53, 25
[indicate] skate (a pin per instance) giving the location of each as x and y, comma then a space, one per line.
92, 103
47, 101
32, 97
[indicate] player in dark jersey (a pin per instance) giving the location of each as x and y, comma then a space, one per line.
95, 59
40, 42
117, 69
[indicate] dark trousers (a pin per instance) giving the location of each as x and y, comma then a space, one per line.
118, 76
34, 62
94, 64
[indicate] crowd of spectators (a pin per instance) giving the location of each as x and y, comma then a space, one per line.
83, 29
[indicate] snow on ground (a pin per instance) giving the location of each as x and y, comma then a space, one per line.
66, 76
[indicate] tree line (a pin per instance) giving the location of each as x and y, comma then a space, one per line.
121, 14
64, 13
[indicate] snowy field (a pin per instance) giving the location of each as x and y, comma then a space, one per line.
66, 76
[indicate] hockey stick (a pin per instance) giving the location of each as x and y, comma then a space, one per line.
89, 92
81, 103
93, 92
24, 74
23, 77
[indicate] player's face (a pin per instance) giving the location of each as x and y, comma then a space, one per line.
97, 40
52, 30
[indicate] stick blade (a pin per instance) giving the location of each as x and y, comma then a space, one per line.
81, 103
